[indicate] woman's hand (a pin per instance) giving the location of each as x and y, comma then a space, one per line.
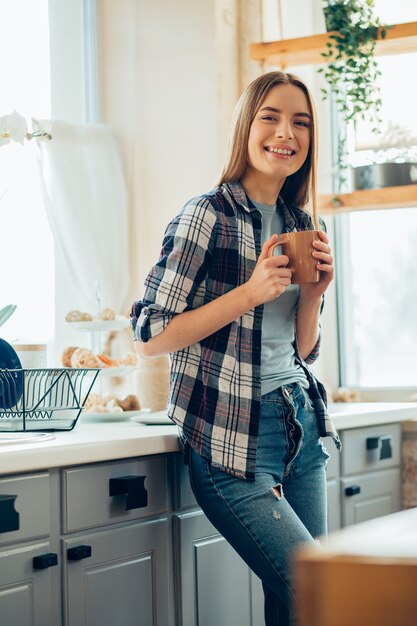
270, 278
322, 253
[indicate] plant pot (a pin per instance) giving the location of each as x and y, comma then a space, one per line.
379, 175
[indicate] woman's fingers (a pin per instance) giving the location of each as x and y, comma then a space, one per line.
323, 256
323, 237
265, 248
322, 251
281, 260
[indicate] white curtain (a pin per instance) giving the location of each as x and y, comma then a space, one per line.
87, 206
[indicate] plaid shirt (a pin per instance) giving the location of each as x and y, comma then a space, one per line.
210, 248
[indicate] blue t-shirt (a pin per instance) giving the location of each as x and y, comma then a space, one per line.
278, 364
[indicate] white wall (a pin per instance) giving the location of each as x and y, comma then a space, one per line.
158, 89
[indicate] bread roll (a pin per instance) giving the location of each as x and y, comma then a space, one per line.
66, 356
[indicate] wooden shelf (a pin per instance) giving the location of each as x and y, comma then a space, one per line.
399, 39
367, 199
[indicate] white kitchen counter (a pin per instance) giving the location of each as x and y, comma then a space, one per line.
88, 443
357, 414
102, 441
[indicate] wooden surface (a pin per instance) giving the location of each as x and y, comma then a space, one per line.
365, 575
365, 199
399, 39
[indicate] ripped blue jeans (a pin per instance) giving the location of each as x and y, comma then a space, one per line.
265, 520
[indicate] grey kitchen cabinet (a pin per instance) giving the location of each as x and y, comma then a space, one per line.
214, 585
118, 577
132, 547
207, 594
367, 496
116, 544
29, 547
113, 492
370, 472
26, 594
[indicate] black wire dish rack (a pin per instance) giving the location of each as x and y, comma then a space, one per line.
43, 399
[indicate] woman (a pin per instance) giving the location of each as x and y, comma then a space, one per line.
249, 411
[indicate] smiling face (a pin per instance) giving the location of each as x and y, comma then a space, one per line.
279, 141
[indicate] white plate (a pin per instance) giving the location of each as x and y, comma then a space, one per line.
109, 371
99, 325
117, 371
159, 417
13, 438
111, 417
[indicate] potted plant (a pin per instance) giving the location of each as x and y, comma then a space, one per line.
351, 70
390, 161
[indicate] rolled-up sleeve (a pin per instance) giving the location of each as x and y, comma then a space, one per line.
172, 282
150, 321
314, 354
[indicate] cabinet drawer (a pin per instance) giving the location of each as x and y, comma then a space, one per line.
372, 448
370, 495
107, 493
24, 507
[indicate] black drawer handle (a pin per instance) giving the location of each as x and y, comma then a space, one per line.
9, 518
42, 561
381, 443
133, 487
353, 490
78, 553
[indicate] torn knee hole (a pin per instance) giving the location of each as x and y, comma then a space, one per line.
278, 491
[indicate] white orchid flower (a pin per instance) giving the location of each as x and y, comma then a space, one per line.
13, 127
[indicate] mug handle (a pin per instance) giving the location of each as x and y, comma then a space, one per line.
281, 241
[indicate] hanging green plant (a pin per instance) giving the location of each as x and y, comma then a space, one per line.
351, 70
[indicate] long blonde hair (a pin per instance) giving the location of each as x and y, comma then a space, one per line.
301, 187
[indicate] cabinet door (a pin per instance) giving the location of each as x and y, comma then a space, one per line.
333, 491
333, 505
366, 496
125, 580
214, 585
27, 595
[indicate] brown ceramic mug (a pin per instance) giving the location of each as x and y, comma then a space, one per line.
297, 246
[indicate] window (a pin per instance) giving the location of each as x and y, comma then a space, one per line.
26, 250
377, 280
378, 298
